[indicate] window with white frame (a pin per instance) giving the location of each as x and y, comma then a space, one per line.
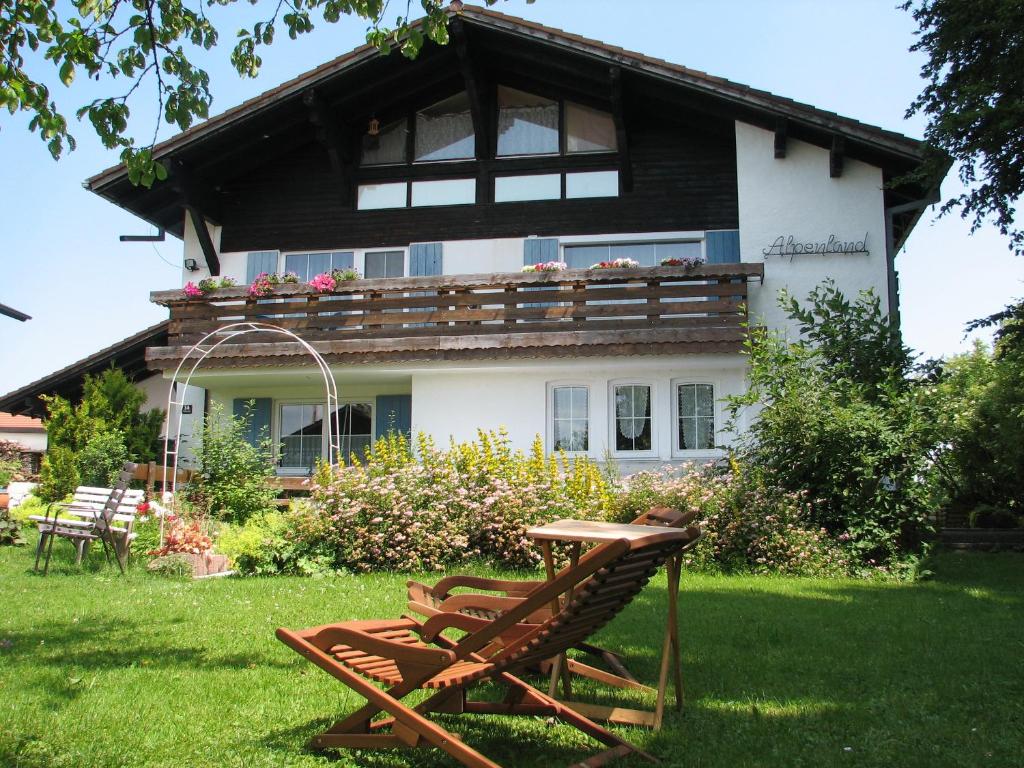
633, 419
309, 265
695, 416
384, 264
570, 418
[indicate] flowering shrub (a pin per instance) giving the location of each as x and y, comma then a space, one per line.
324, 282
206, 286
749, 525
182, 537
616, 264
263, 284
473, 500
688, 263
545, 266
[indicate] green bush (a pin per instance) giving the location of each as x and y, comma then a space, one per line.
232, 481
841, 423
30, 505
59, 474
10, 530
101, 459
988, 516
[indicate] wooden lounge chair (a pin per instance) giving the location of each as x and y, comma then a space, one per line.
406, 655
106, 514
429, 601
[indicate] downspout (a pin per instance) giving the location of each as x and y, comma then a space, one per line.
890, 247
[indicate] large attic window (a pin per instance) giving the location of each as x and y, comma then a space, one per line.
387, 147
527, 124
588, 130
444, 131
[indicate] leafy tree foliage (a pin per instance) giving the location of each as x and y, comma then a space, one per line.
132, 42
87, 443
974, 99
840, 422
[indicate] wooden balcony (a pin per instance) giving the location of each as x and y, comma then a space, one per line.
644, 311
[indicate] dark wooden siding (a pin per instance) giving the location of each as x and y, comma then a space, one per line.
684, 179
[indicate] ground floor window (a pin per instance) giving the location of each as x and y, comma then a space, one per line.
304, 440
570, 418
695, 416
633, 419
355, 421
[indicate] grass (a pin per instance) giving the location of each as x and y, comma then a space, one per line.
100, 670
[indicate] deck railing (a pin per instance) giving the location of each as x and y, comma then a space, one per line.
703, 303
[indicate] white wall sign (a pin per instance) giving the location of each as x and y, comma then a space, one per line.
787, 245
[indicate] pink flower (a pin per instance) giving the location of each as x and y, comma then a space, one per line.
324, 282
191, 290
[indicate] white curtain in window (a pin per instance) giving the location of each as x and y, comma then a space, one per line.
631, 411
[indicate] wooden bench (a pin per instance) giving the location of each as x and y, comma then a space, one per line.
107, 514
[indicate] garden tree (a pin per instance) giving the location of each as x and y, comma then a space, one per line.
88, 442
152, 48
974, 101
840, 422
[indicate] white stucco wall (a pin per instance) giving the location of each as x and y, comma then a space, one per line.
30, 441
455, 402
156, 389
795, 196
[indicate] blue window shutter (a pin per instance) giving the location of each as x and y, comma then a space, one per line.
723, 246
394, 413
260, 261
258, 427
425, 259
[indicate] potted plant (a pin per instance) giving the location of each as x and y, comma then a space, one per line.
7, 469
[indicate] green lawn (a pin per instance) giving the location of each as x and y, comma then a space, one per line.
100, 670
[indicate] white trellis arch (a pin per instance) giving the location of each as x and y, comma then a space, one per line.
202, 349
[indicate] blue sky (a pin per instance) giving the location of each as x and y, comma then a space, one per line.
63, 264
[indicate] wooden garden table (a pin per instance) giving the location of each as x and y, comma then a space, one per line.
576, 533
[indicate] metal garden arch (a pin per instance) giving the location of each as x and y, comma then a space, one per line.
229, 332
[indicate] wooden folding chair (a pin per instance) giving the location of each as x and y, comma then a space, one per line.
94, 513
406, 655
429, 601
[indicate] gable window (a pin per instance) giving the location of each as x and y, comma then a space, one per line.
592, 184
376, 196
444, 131
384, 264
309, 265
633, 422
388, 147
570, 418
588, 130
443, 192
695, 417
527, 124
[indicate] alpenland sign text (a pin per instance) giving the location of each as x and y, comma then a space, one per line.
788, 246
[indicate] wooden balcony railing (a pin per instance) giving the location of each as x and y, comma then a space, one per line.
623, 311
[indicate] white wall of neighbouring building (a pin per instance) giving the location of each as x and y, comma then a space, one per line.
796, 196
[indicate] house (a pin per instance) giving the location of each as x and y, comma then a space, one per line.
437, 180
24, 439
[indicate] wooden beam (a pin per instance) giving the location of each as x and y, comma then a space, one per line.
205, 241
329, 134
195, 190
621, 134
835, 157
472, 79
781, 137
